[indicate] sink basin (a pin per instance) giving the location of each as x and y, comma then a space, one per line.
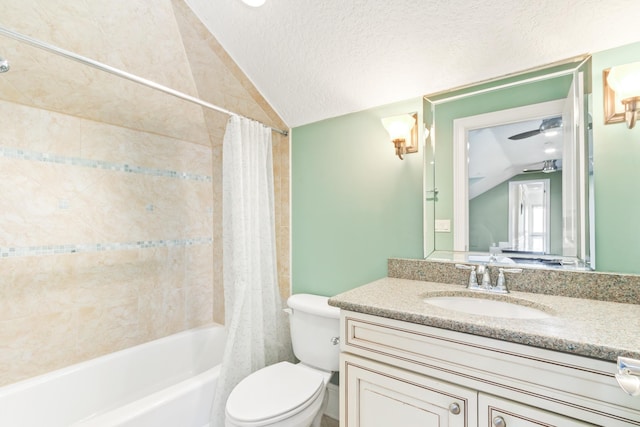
487, 307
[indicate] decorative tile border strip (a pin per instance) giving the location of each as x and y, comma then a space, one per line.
99, 247
16, 153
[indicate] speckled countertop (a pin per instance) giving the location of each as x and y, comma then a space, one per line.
593, 328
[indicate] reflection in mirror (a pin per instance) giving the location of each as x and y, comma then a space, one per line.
518, 179
529, 217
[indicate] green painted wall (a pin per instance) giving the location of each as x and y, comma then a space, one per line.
489, 213
354, 203
616, 175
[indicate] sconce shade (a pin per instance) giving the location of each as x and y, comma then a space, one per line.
399, 127
403, 132
625, 80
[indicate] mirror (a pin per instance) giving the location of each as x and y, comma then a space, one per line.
512, 170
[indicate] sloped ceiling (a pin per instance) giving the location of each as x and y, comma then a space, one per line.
316, 59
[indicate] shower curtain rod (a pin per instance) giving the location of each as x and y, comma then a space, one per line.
117, 72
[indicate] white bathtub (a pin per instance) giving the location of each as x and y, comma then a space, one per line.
169, 382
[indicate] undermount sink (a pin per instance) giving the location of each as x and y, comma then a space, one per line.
487, 307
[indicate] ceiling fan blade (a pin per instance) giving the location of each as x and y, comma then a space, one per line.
531, 170
524, 135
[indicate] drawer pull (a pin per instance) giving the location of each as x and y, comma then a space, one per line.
454, 408
499, 422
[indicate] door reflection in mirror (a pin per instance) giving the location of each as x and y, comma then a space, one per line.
529, 216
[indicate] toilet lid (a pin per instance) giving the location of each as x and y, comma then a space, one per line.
273, 391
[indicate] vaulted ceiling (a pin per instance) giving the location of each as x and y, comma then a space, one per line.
316, 59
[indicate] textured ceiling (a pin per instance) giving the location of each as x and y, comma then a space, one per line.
316, 59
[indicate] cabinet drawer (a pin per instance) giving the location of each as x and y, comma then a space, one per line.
498, 412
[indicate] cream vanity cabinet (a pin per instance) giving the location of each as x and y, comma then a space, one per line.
397, 373
381, 395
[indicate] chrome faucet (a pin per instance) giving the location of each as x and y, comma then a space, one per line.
485, 283
486, 277
501, 284
473, 277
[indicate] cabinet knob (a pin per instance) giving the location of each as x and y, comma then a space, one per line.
454, 408
499, 422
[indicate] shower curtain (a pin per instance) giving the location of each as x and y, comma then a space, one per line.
257, 327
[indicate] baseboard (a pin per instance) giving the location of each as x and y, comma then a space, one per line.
333, 403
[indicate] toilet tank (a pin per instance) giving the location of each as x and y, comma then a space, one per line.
315, 331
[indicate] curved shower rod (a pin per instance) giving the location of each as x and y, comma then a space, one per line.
120, 73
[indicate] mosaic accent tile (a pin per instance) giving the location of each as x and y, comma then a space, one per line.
99, 247
98, 164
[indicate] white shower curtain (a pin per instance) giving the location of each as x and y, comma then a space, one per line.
257, 327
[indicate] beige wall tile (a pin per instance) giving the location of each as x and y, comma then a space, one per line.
38, 344
111, 292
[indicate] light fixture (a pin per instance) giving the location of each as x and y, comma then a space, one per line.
549, 166
253, 3
403, 131
622, 88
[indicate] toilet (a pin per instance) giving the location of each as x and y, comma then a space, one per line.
287, 394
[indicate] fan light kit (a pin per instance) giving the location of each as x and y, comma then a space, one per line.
253, 3
548, 166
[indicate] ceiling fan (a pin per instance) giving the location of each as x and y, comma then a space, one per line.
548, 166
553, 123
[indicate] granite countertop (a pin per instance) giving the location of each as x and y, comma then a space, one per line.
598, 329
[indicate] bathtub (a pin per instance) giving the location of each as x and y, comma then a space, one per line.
169, 382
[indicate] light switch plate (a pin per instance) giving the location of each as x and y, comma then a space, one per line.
443, 225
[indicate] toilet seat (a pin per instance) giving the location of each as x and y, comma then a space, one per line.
273, 393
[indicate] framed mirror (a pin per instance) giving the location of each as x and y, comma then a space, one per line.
508, 169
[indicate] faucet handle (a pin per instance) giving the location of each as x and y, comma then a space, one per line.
501, 284
473, 277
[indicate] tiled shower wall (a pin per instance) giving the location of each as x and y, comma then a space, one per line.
109, 233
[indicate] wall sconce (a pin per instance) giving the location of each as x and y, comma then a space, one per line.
403, 130
622, 89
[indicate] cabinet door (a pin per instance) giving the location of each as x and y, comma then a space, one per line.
497, 412
378, 395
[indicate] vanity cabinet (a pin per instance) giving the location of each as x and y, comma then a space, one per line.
385, 395
401, 373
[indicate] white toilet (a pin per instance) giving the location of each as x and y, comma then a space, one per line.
287, 394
